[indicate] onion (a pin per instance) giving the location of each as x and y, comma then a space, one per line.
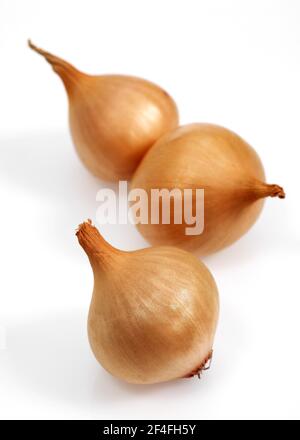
114, 119
212, 158
153, 313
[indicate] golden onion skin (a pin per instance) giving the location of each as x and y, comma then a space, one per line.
154, 312
213, 158
114, 119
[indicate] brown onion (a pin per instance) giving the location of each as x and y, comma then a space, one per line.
114, 119
153, 313
209, 157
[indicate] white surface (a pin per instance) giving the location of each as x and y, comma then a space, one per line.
236, 63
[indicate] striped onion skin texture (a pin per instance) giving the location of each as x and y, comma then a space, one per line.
114, 119
154, 311
213, 159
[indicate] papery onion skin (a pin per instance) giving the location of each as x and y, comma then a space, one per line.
114, 119
213, 158
153, 313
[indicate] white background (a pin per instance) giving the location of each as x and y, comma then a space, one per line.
236, 63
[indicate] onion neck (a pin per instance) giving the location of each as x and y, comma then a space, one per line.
68, 73
99, 252
266, 190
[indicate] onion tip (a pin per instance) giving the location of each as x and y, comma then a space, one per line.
276, 191
92, 242
65, 70
88, 236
